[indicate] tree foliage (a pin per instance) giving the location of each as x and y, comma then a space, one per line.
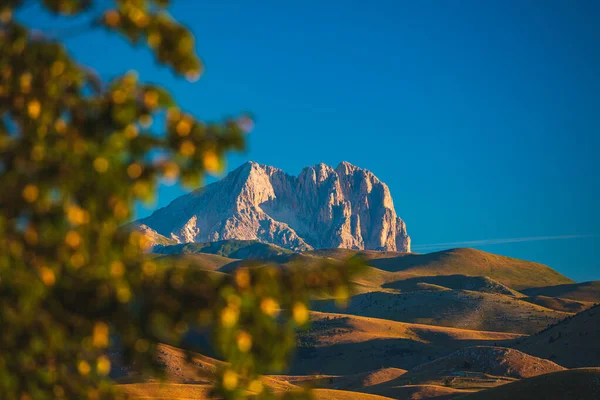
76, 154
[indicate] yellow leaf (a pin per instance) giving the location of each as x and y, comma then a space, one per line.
83, 367
269, 306
244, 341
72, 239
255, 386
212, 163
229, 316
103, 366
230, 379
112, 18
100, 336
134, 170
34, 108
300, 313
187, 148
31, 193
151, 98
117, 269
183, 127
101, 165
47, 276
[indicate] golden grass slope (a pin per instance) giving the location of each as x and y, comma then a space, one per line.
329, 394
480, 361
175, 391
451, 308
576, 384
514, 273
573, 342
418, 392
456, 282
559, 303
585, 291
165, 391
340, 344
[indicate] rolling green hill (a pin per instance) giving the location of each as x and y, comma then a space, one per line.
514, 273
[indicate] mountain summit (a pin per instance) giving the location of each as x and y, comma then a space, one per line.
345, 207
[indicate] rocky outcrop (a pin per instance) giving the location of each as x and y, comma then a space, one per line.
323, 207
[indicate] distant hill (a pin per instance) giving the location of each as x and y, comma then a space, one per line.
451, 308
362, 380
465, 269
586, 291
328, 394
514, 273
416, 392
207, 261
151, 235
457, 282
576, 384
239, 249
559, 303
479, 361
339, 344
342, 254
573, 342
462, 372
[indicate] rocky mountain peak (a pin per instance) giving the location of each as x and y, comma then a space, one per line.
322, 207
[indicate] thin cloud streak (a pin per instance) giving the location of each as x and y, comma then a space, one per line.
487, 242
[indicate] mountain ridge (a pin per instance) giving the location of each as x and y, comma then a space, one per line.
323, 207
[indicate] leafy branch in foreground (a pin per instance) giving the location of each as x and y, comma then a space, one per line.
75, 155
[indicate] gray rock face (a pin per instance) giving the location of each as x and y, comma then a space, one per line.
323, 207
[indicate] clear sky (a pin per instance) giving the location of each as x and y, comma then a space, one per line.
483, 117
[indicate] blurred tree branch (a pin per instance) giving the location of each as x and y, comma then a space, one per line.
76, 153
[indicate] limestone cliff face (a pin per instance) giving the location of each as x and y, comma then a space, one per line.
321, 208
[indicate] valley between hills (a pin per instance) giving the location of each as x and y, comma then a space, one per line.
459, 323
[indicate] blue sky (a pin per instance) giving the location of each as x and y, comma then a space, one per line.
483, 117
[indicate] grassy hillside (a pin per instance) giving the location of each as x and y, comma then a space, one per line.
363, 380
559, 304
460, 368
207, 261
577, 384
248, 249
200, 369
451, 308
329, 394
458, 282
343, 254
514, 273
339, 344
573, 343
417, 392
586, 291
165, 391
439, 326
